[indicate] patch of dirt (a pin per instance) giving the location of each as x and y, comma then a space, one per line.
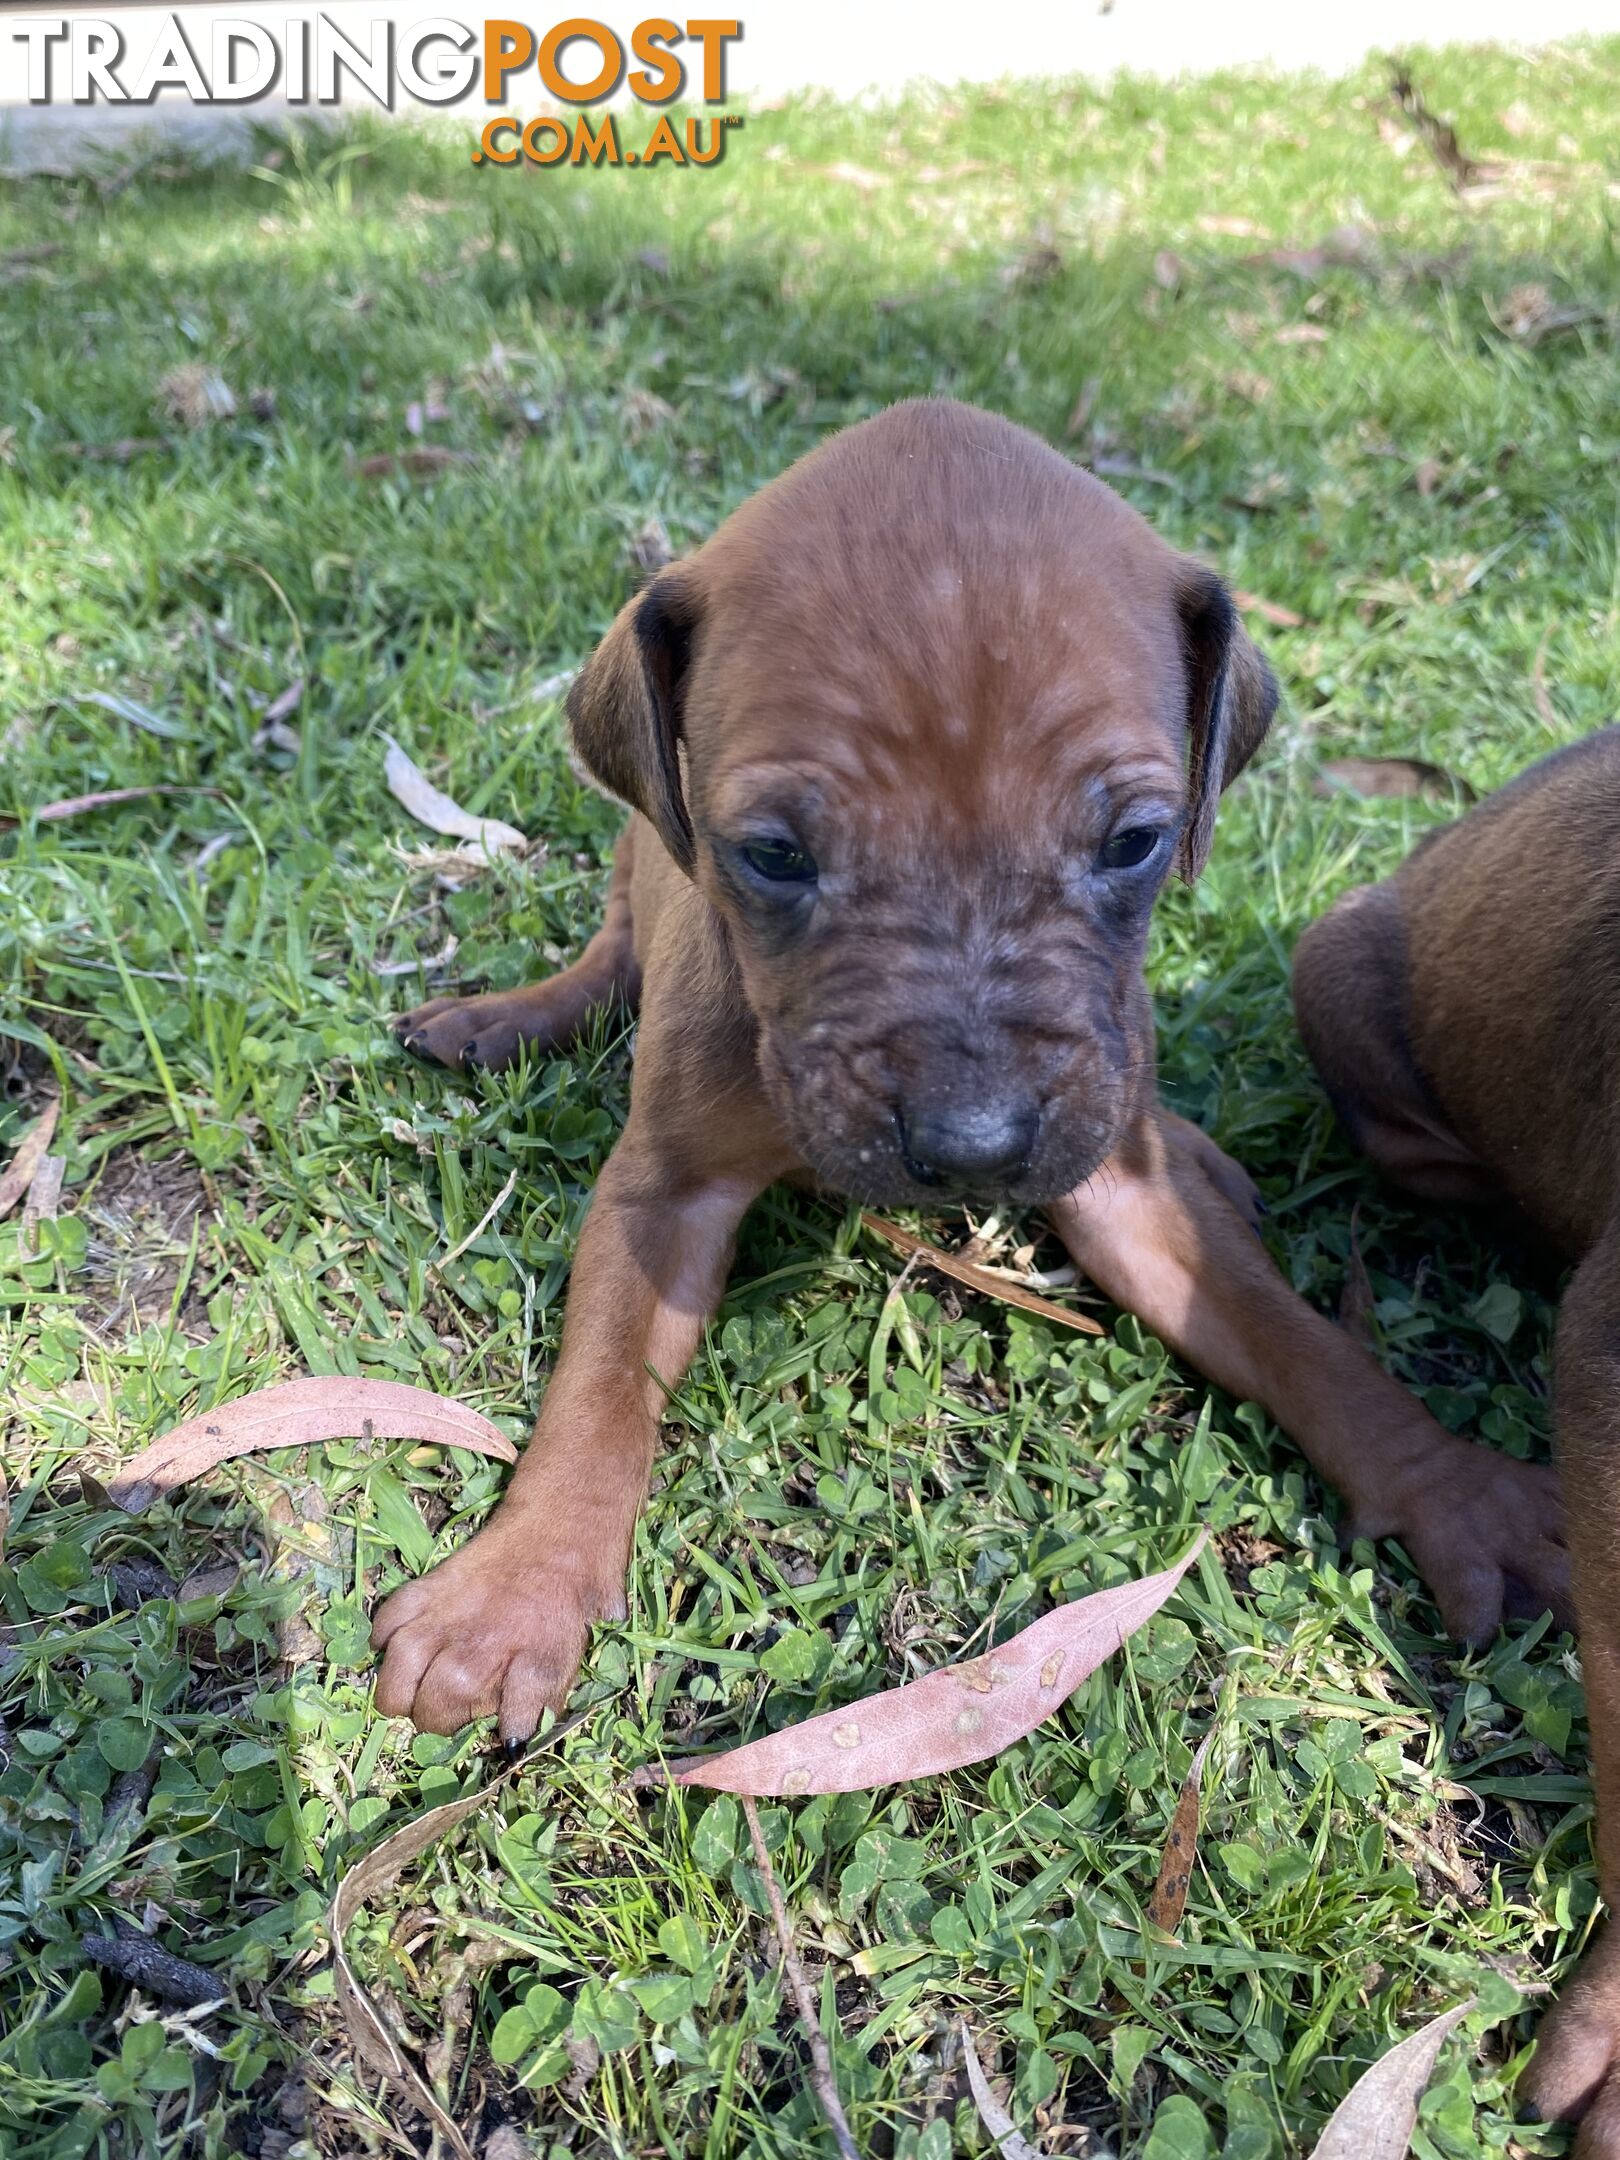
141, 1215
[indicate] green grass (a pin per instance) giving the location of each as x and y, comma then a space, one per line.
258, 1182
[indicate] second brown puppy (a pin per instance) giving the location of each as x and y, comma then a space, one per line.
1465, 1016
912, 744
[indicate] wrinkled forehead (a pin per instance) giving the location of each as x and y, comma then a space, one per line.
968, 678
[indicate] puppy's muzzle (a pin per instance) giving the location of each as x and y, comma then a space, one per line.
973, 1147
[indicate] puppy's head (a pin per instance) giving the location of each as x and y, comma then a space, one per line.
930, 721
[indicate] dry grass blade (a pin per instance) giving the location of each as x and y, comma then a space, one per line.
430, 806
1375, 2119
302, 1413
1356, 1300
955, 1715
973, 1277
822, 2081
44, 1198
1009, 2138
123, 452
31, 1149
1169, 1900
377, 1871
1390, 776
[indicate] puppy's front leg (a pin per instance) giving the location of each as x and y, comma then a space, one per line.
501, 1625
1157, 1233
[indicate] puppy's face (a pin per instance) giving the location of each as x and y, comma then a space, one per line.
947, 716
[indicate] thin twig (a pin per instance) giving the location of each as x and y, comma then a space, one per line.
821, 2069
479, 1227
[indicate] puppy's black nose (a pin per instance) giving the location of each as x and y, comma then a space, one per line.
972, 1145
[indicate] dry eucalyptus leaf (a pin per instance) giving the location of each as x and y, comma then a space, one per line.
72, 806
973, 1277
955, 1715
302, 1413
29, 1153
1394, 776
408, 784
137, 714
1270, 611
379, 1870
1169, 1900
1376, 2117
1009, 2138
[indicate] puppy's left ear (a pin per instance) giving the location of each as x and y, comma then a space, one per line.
626, 706
1231, 697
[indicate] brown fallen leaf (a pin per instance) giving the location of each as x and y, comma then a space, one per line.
1169, 1900
973, 1277
955, 1715
430, 806
1376, 2117
1389, 776
1010, 2141
30, 1151
302, 1413
378, 1870
422, 463
195, 394
1271, 611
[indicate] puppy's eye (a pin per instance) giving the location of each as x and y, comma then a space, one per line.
1130, 848
779, 862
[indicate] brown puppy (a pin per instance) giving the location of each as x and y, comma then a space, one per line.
912, 743
1466, 1019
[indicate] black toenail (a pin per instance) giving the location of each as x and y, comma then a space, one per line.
512, 1749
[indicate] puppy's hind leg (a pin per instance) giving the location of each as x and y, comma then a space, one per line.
489, 1030
1352, 999
1575, 2071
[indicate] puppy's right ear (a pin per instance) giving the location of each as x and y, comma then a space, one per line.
625, 707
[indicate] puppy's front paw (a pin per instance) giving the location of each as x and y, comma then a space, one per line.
462, 1031
1486, 1533
498, 1629
1574, 2075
